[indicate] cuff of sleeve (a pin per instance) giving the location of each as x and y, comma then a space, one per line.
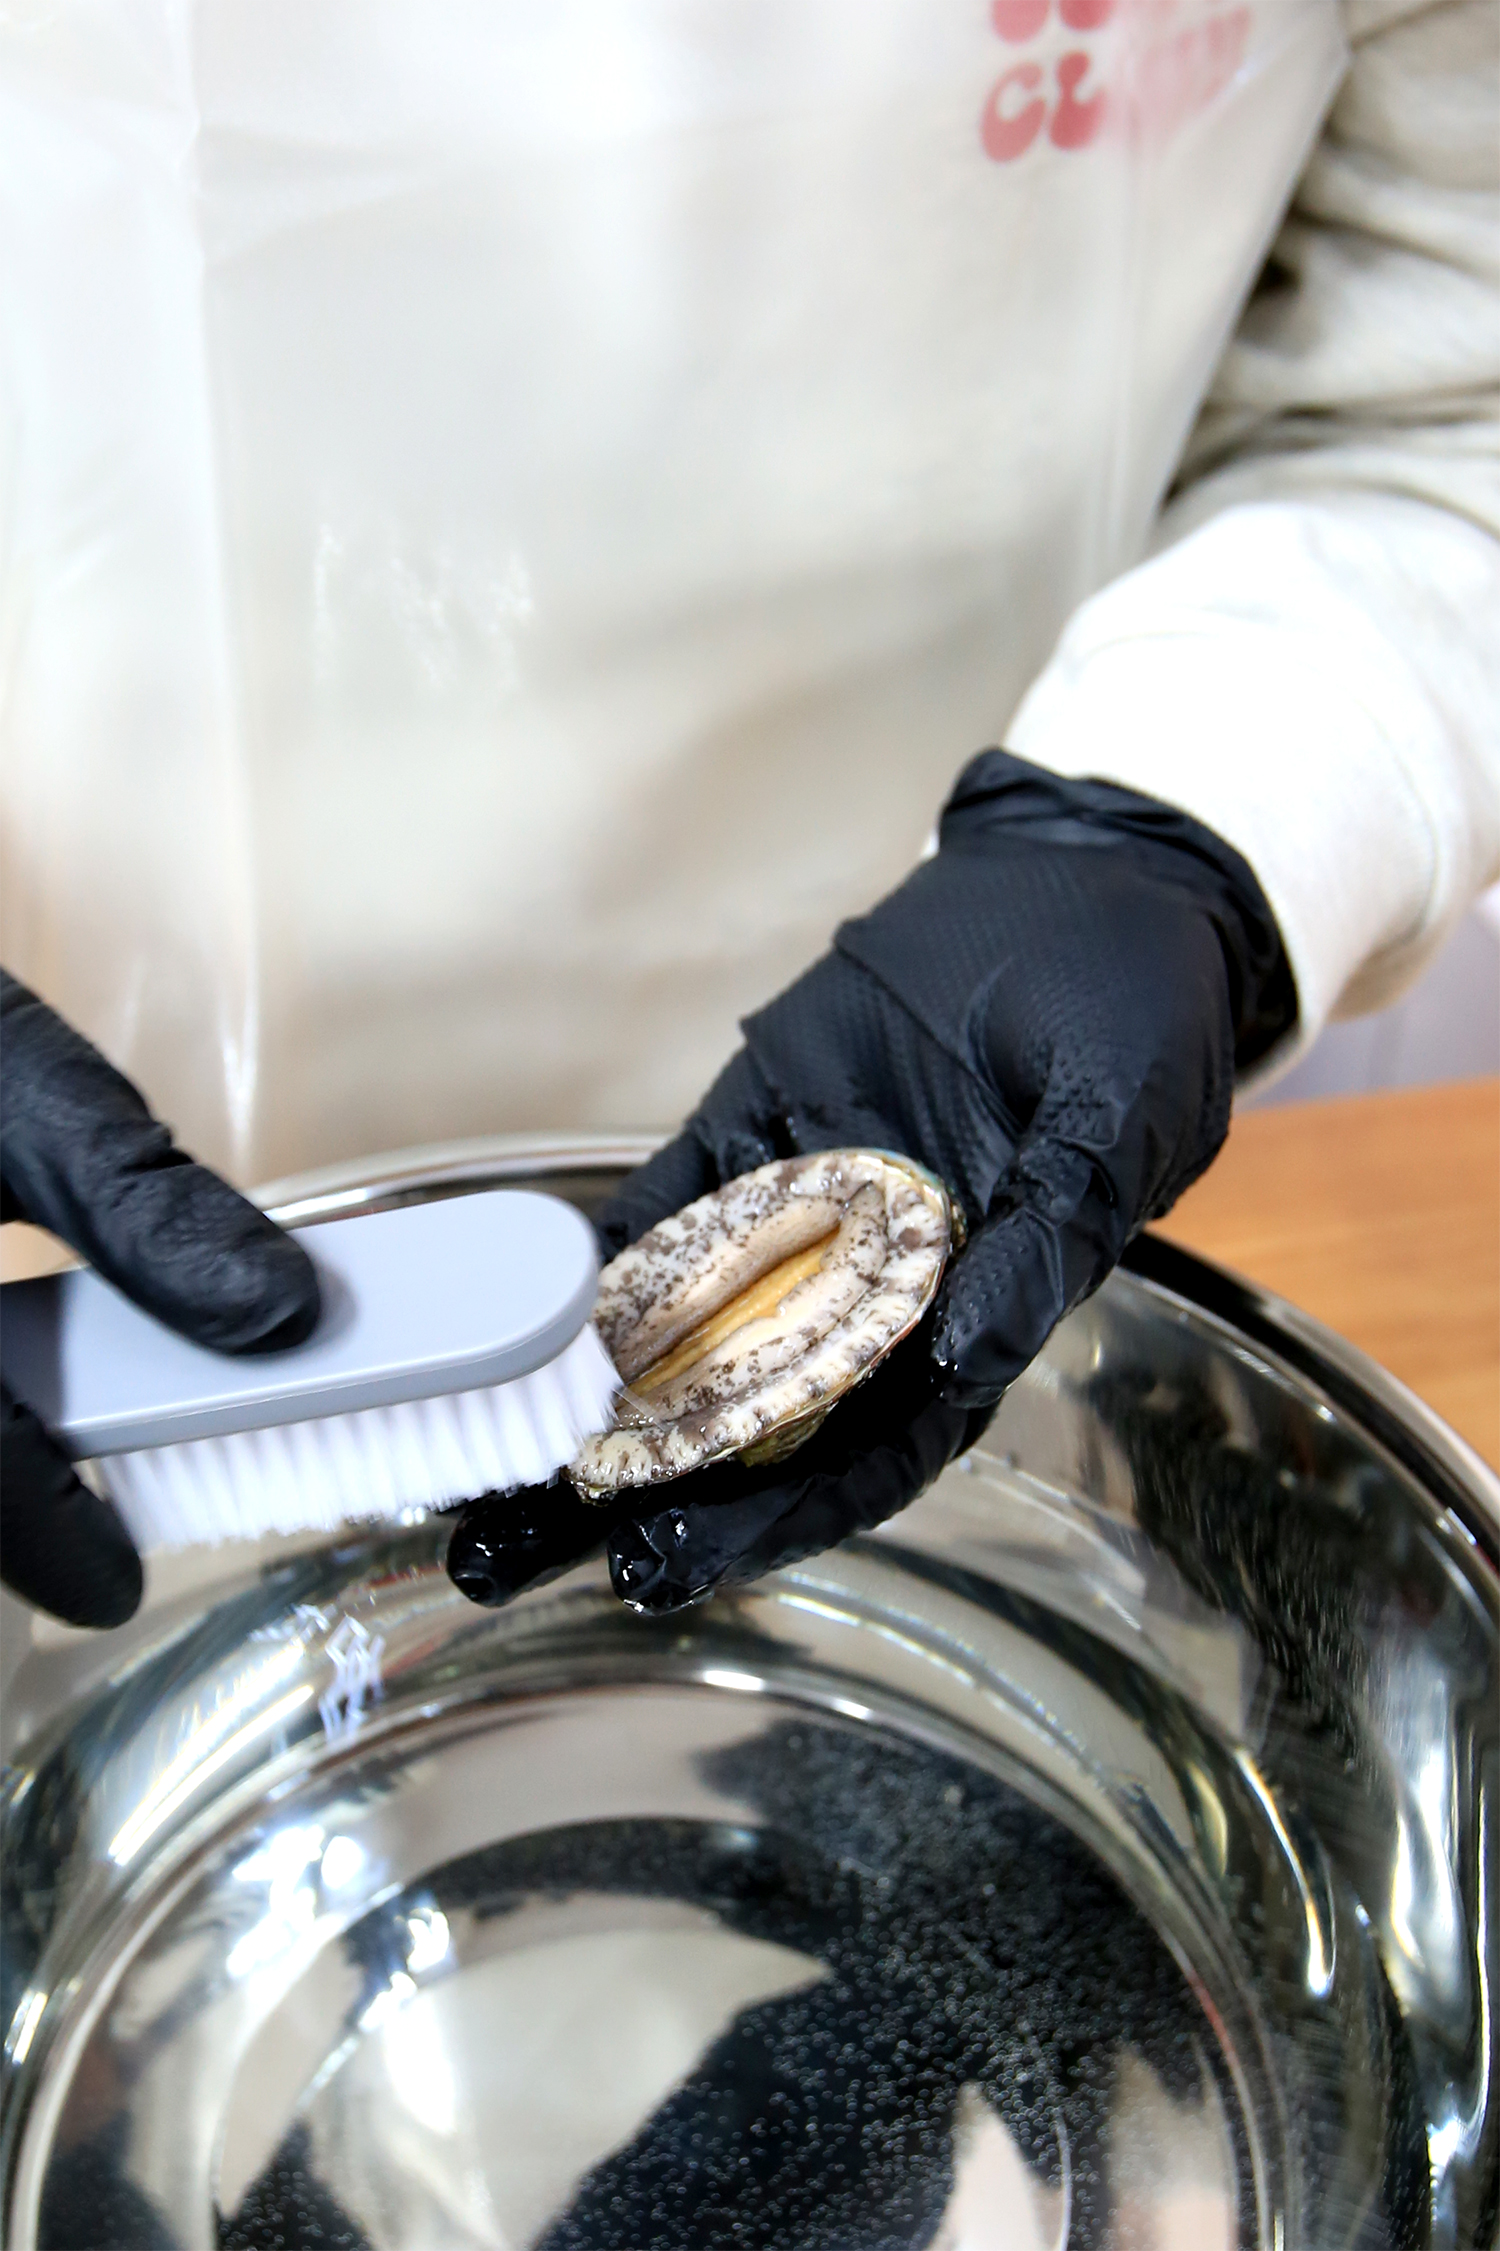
1205, 726
1265, 746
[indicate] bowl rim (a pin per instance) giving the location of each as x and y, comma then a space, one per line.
1452, 1472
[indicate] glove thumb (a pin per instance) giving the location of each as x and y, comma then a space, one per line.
732, 1131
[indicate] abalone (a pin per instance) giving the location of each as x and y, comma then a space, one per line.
738, 1323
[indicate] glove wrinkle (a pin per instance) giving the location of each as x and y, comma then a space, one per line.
869, 1074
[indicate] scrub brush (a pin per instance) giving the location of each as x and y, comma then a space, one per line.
453, 1356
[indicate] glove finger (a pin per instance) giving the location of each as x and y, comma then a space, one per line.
877, 1451
82, 1155
62, 1548
1056, 1234
503, 1543
678, 1555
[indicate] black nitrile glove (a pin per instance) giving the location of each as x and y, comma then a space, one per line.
1048, 1014
81, 1154
879, 1449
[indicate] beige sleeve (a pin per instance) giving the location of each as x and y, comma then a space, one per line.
1310, 658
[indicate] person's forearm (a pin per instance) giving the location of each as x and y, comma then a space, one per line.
1311, 662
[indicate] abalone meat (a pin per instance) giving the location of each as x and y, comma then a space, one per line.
738, 1323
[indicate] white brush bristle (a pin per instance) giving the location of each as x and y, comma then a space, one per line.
380, 1463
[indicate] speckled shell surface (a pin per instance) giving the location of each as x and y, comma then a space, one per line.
884, 1228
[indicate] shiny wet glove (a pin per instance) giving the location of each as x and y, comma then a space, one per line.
81, 1154
1049, 1014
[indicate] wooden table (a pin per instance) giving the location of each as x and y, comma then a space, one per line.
1380, 1214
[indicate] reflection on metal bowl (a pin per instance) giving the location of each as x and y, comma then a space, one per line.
1101, 1855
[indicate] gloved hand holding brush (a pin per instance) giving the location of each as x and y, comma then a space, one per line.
1048, 1014
81, 1154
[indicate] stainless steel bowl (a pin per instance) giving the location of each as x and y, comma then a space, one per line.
1103, 1854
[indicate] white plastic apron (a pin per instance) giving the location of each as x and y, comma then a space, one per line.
512, 512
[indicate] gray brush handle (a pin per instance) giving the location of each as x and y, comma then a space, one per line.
434, 1298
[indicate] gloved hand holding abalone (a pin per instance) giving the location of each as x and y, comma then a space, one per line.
739, 1322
